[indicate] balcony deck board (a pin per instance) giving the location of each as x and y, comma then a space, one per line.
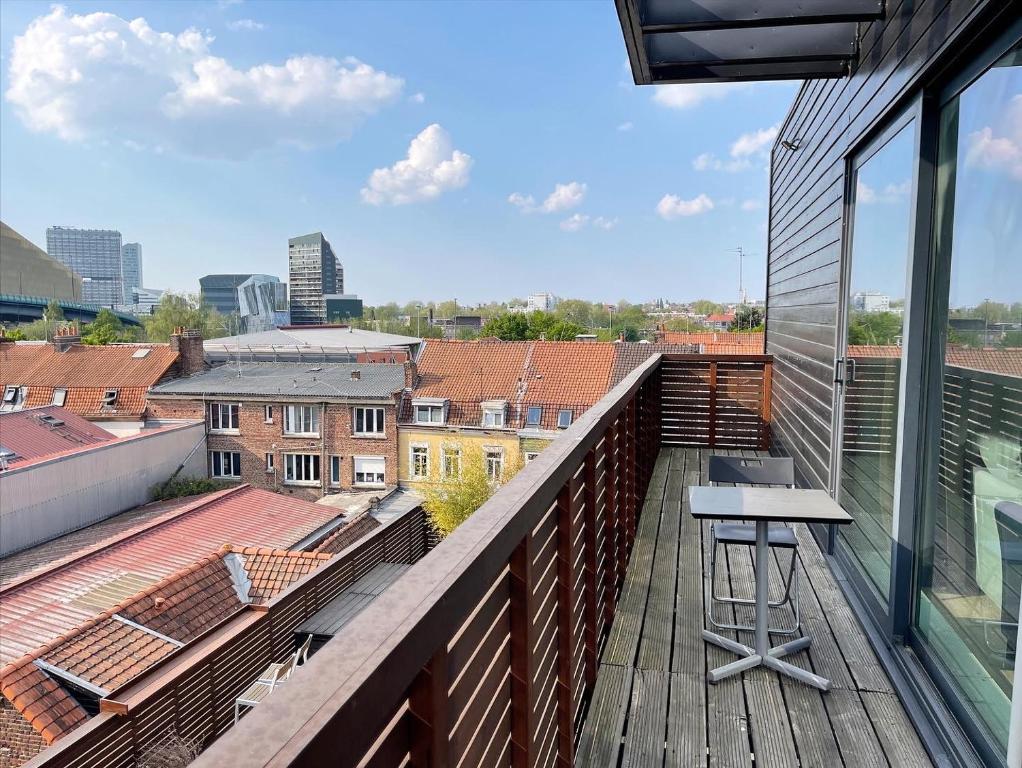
651, 705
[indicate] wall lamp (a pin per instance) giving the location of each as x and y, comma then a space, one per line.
791, 145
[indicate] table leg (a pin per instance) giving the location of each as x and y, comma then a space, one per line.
762, 654
762, 588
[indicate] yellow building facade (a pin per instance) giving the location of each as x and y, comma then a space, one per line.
425, 452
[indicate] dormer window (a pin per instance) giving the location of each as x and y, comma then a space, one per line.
430, 411
59, 397
564, 418
533, 416
109, 398
493, 413
13, 395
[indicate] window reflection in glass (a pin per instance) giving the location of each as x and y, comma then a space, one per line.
970, 570
872, 371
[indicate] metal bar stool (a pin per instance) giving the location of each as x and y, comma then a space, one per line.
753, 471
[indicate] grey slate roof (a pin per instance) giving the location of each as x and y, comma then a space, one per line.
298, 380
313, 337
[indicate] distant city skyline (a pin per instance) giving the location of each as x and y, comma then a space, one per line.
430, 178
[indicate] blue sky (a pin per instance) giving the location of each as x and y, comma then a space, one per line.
213, 131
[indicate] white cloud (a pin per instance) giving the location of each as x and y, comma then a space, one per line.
575, 222
431, 168
755, 143
692, 95
708, 161
563, 197
249, 25
578, 221
891, 193
751, 205
999, 150
626, 126
69, 75
417, 98
673, 207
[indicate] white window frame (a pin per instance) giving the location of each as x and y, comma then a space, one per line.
413, 449
335, 470
447, 453
267, 414
379, 419
221, 455
219, 408
560, 416
298, 471
11, 395
59, 397
493, 418
269, 462
431, 407
488, 452
313, 417
370, 483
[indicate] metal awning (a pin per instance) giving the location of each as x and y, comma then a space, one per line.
708, 41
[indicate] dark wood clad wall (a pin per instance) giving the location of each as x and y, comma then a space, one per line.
830, 118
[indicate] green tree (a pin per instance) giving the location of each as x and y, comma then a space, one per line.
450, 500
1012, 339
874, 328
184, 311
577, 312
509, 327
706, 307
747, 319
53, 311
15, 334
107, 328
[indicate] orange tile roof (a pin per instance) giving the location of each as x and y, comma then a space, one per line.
353, 530
110, 654
85, 372
43, 703
470, 370
1003, 361
718, 337
271, 571
116, 646
554, 374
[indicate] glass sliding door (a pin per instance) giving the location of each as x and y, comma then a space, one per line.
869, 372
969, 548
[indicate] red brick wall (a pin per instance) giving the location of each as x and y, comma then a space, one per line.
258, 438
19, 741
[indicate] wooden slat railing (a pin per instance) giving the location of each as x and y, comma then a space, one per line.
484, 653
720, 401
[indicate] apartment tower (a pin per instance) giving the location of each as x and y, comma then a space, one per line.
313, 272
95, 254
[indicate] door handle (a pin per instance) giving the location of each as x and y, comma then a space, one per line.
850, 368
838, 362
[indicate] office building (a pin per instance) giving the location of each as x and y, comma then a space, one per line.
221, 291
95, 254
313, 272
341, 307
131, 269
542, 302
262, 302
27, 270
871, 301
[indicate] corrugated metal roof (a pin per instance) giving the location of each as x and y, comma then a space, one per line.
29, 436
299, 380
45, 604
331, 338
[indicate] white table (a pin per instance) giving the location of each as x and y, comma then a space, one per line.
763, 506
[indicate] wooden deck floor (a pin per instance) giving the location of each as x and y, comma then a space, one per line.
652, 705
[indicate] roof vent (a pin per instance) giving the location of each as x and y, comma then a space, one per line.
356, 375
52, 421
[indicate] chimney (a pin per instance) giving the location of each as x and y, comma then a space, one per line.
188, 345
411, 374
66, 337
356, 375
621, 336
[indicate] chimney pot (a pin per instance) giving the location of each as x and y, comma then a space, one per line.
356, 375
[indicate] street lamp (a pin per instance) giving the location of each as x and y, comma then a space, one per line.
418, 316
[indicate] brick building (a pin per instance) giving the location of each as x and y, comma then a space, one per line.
299, 428
105, 384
